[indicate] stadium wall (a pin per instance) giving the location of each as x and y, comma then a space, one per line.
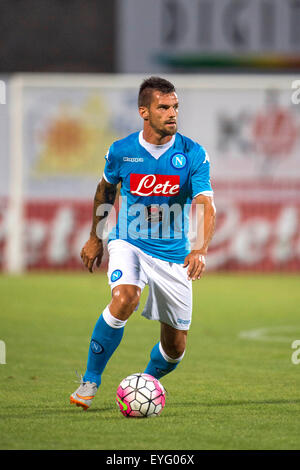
56, 129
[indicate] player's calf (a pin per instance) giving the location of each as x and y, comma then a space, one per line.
160, 363
106, 337
166, 355
173, 341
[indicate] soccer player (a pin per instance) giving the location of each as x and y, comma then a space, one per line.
161, 172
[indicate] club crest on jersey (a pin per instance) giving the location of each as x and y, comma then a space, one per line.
178, 161
154, 185
115, 275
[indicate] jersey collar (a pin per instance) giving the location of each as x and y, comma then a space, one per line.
155, 150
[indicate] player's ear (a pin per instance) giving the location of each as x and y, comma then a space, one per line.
144, 112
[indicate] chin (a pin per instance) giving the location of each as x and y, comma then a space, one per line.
170, 131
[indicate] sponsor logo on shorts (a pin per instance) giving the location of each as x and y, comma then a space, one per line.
183, 322
115, 275
178, 161
96, 347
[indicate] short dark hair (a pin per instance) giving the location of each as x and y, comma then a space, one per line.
150, 84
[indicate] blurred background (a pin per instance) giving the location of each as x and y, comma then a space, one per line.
70, 72
69, 77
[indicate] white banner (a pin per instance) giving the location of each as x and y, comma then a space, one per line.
249, 127
250, 134
66, 134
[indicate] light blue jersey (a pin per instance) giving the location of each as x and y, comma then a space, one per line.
157, 193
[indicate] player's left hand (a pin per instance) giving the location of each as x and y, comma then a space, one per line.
196, 263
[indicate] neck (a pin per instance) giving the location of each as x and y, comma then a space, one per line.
153, 137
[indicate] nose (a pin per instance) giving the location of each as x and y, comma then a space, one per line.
172, 113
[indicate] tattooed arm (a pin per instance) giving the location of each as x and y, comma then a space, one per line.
93, 249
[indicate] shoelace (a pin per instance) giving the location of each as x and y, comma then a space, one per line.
79, 379
82, 382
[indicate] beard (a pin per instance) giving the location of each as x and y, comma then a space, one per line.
163, 130
170, 131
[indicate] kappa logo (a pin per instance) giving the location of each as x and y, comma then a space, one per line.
183, 322
133, 159
115, 275
178, 161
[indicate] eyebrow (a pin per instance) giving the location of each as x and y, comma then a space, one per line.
168, 106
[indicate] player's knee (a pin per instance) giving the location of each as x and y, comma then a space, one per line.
128, 302
125, 300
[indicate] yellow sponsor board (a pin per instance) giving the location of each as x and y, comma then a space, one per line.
74, 140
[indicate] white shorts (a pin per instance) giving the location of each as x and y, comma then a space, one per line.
170, 291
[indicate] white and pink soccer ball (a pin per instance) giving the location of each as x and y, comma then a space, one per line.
140, 396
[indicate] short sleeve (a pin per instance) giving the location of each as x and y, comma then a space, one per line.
200, 174
111, 169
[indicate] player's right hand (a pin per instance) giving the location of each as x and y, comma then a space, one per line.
92, 250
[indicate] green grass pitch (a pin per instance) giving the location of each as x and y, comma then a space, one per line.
228, 393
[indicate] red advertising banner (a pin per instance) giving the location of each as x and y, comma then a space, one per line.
259, 235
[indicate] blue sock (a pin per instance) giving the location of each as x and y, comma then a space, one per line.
158, 365
105, 340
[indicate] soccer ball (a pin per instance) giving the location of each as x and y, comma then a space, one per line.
140, 396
